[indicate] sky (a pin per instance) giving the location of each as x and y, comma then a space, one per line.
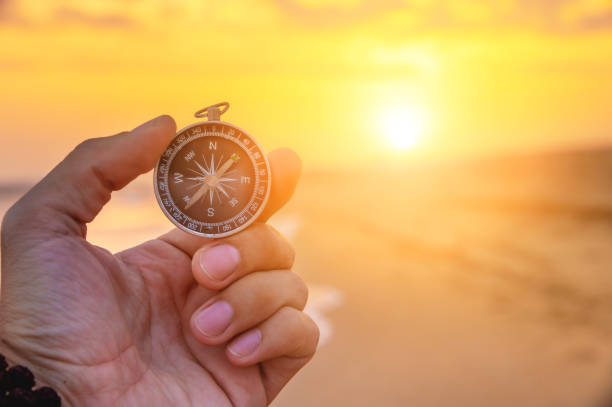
346, 83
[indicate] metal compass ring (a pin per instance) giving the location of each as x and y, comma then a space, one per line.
213, 179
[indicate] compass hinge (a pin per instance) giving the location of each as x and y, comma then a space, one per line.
213, 112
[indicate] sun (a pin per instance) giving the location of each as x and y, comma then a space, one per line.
404, 126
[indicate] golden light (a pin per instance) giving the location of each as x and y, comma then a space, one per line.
404, 126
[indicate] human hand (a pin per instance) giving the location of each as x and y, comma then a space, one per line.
128, 329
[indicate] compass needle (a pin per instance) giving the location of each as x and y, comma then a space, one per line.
199, 194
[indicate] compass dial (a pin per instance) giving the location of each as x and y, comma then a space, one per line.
213, 180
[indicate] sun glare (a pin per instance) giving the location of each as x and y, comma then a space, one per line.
404, 126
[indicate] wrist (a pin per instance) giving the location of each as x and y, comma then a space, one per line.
22, 383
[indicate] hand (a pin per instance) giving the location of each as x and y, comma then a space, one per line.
176, 321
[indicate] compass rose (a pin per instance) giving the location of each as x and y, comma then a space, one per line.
214, 179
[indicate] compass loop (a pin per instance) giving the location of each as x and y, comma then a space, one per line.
213, 112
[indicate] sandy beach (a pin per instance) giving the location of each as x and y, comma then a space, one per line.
465, 284
475, 284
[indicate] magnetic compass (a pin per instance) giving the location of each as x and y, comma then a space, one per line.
214, 179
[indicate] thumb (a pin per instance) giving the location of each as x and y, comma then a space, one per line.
75, 191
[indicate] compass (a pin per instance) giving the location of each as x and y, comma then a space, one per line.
213, 180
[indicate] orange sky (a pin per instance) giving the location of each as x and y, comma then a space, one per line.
319, 76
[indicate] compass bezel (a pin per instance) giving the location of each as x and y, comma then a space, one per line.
241, 227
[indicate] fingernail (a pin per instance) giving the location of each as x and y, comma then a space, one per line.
218, 262
214, 319
246, 344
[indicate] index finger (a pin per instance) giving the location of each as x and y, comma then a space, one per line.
286, 168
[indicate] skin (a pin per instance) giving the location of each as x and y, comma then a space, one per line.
119, 330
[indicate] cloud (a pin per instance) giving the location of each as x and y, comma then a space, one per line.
597, 22
336, 12
407, 16
35, 13
73, 15
7, 12
545, 15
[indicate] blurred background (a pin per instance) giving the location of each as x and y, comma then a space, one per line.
454, 219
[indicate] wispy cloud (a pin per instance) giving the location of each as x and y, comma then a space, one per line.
546, 15
413, 15
34, 13
334, 12
7, 14
598, 21
74, 15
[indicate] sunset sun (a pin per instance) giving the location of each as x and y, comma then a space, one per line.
404, 126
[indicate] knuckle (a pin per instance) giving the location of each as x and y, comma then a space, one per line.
288, 314
270, 243
261, 288
301, 290
17, 216
88, 146
9, 221
123, 133
291, 321
312, 333
302, 330
266, 233
260, 228
282, 246
289, 253
255, 233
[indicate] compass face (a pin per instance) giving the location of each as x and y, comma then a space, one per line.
213, 180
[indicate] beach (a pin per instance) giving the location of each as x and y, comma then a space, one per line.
475, 283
